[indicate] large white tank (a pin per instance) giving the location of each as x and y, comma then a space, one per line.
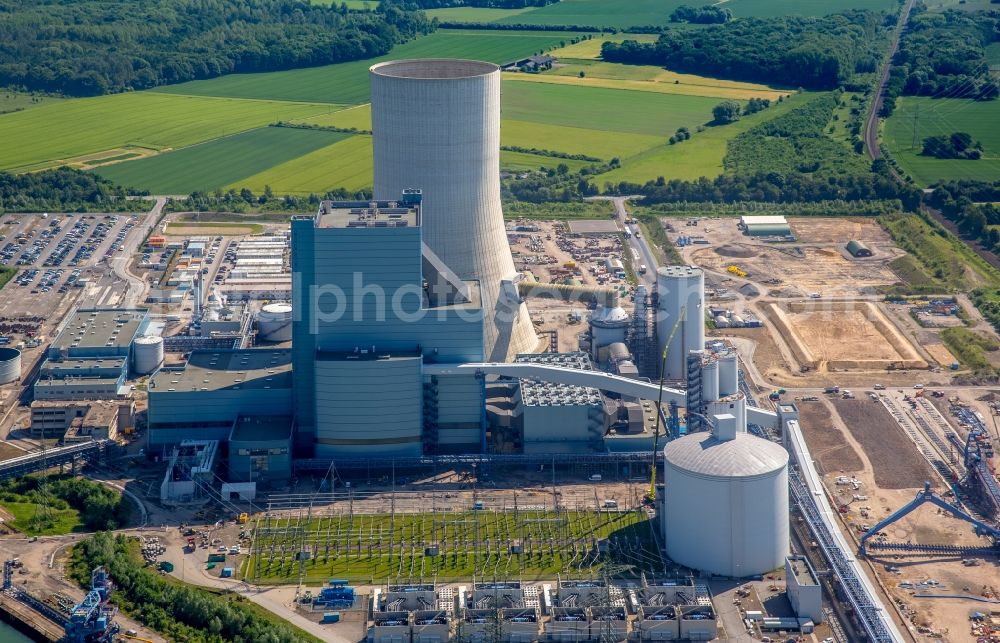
608, 325
10, 365
274, 323
726, 503
677, 287
710, 381
729, 374
436, 127
147, 354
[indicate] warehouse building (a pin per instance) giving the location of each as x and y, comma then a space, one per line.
765, 226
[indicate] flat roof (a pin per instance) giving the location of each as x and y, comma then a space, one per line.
259, 428
367, 214
802, 571
751, 220
539, 393
99, 328
214, 370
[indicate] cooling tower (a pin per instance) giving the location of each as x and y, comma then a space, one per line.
436, 127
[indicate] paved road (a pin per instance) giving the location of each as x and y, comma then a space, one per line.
638, 244
136, 285
871, 127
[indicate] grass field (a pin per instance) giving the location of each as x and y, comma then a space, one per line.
646, 79
377, 548
192, 228
345, 164
211, 165
604, 144
519, 161
48, 135
64, 521
13, 101
699, 156
473, 14
347, 83
591, 49
944, 116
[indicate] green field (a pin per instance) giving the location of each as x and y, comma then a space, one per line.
702, 155
49, 135
347, 83
13, 101
345, 164
217, 163
64, 521
931, 117
521, 161
473, 14
377, 548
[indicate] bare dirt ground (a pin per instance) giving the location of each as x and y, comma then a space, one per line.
840, 231
895, 461
827, 442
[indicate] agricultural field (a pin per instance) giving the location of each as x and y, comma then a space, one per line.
223, 161
379, 548
590, 49
345, 164
14, 101
59, 132
702, 155
930, 117
473, 14
347, 83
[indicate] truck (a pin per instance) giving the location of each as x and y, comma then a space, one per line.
832, 389
642, 269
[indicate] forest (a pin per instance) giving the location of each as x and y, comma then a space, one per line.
91, 47
99, 506
707, 15
814, 53
63, 190
497, 4
180, 612
944, 55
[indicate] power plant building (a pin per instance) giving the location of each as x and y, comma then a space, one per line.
680, 289
559, 418
436, 127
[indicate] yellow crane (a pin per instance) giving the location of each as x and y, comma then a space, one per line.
651, 495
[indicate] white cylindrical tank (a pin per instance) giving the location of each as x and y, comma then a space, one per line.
10, 365
436, 127
729, 374
608, 325
710, 381
677, 287
274, 323
726, 504
147, 354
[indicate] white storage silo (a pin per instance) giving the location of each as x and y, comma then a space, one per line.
10, 365
274, 323
710, 381
677, 287
608, 325
436, 127
729, 374
735, 405
147, 354
726, 501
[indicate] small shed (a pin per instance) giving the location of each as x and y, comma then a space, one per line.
858, 249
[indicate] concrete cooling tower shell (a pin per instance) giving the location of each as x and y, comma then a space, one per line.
726, 504
436, 127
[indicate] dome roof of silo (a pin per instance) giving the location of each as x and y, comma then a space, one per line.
746, 456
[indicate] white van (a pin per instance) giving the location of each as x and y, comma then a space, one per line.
595, 478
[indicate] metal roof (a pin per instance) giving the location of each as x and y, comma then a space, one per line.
704, 454
752, 220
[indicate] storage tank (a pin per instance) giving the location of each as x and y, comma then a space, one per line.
726, 501
608, 325
436, 127
10, 365
729, 373
147, 354
735, 405
710, 381
677, 287
274, 323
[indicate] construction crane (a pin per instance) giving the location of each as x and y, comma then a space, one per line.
651, 494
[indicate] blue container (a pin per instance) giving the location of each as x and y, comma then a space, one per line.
331, 617
227, 572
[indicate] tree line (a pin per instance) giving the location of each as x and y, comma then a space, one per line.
814, 53
64, 190
179, 612
91, 47
496, 4
944, 55
99, 507
707, 15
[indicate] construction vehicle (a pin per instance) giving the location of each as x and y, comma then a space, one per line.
243, 518
736, 270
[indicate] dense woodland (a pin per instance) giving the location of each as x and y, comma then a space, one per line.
99, 506
63, 190
814, 53
706, 15
90, 47
944, 55
180, 612
499, 4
